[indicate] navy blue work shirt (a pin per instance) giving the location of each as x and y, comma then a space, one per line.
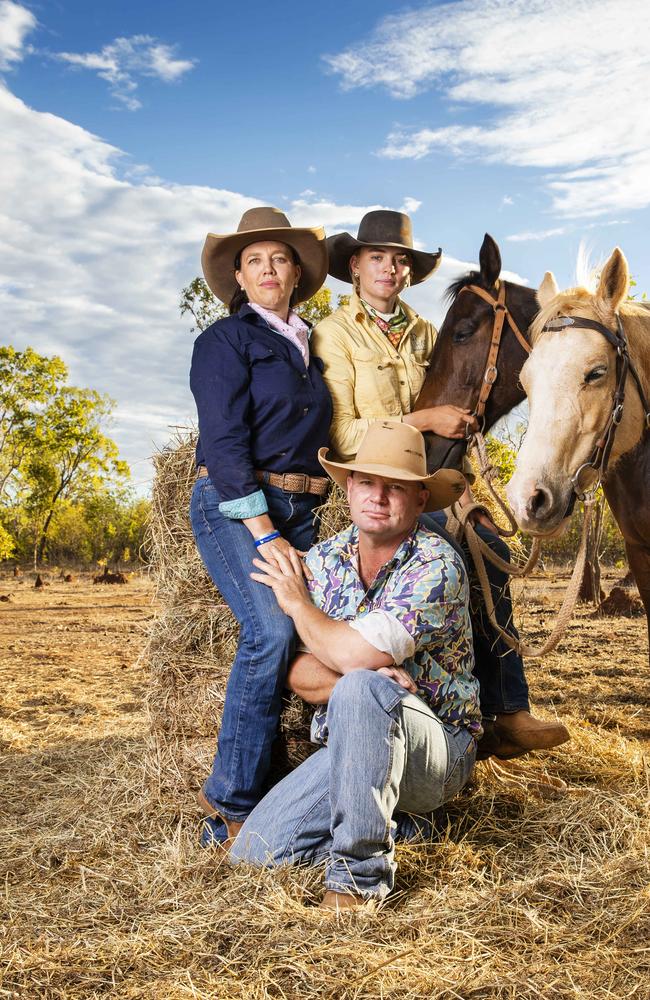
258, 406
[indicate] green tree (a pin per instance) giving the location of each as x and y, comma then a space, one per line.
71, 458
27, 382
201, 304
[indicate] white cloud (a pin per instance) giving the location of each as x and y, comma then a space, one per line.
542, 234
410, 205
566, 84
506, 201
15, 24
127, 58
93, 259
545, 234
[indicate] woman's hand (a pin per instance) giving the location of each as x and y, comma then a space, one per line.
270, 550
449, 421
280, 546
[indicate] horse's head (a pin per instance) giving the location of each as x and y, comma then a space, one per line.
570, 379
459, 360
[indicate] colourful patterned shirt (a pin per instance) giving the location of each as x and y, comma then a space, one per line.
424, 588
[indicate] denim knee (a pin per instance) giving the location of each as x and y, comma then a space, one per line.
360, 686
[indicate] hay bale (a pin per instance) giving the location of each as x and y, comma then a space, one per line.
193, 639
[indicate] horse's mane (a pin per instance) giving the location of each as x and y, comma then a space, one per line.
454, 289
575, 300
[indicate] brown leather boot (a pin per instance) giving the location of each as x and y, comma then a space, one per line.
525, 731
233, 826
493, 745
335, 902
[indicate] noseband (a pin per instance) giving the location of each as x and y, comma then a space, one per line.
599, 457
491, 372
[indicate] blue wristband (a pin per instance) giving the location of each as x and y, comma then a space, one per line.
266, 538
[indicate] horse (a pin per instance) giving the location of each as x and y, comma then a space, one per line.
460, 372
588, 383
463, 368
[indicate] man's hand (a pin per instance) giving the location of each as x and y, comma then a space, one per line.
285, 578
400, 675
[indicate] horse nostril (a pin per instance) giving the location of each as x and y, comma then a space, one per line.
539, 503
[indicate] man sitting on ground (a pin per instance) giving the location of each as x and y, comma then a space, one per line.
386, 623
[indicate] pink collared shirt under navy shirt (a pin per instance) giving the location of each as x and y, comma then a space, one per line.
295, 329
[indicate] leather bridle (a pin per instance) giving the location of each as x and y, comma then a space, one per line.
491, 373
599, 457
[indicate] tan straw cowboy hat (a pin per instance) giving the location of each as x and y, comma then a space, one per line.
380, 229
261, 224
396, 451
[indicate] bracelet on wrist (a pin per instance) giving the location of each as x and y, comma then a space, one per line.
266, 538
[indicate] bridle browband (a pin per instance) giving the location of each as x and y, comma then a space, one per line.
599, 458
491, 372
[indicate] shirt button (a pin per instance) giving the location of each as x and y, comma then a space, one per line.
303, 376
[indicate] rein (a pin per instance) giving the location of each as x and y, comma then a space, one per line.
491, 373
599, 458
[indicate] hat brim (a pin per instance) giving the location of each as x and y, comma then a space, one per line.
445, 486
219, 252
342, 246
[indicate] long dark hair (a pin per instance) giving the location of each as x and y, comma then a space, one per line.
240, 297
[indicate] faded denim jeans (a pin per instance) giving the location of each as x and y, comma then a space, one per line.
386, 751
267, 640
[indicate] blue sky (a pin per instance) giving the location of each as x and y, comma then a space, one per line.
128, 130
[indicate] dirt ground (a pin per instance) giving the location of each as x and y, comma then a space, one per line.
75, 812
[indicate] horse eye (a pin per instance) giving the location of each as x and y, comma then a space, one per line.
463, 332
595, 374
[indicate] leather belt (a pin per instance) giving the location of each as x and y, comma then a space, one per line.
295, 482
290, 482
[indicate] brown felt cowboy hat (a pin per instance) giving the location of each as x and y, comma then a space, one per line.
255, 225
396, 451
380, 229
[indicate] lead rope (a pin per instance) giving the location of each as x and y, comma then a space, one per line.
459, 524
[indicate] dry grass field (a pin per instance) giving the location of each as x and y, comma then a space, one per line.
105, 893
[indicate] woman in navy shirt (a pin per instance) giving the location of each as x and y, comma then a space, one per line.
264, 411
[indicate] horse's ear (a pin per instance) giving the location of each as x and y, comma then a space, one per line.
490, 261
548, 289
614, 283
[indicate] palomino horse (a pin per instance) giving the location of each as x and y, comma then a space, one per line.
588, 382
459, 369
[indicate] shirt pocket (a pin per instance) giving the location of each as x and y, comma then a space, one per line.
376, 391
272, 376
418, 368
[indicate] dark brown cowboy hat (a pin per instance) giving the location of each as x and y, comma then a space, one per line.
380, 229
257, 224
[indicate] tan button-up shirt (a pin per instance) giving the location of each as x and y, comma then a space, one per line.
367, 377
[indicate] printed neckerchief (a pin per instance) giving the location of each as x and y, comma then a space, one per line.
392, 328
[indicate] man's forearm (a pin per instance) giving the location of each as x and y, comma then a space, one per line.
311, 680
334, 643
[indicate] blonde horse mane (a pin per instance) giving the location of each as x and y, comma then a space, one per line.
582, 296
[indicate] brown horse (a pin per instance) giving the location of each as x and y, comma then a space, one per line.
457, 369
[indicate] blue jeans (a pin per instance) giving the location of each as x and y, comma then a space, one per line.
498, 669
252, 705
386, 751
